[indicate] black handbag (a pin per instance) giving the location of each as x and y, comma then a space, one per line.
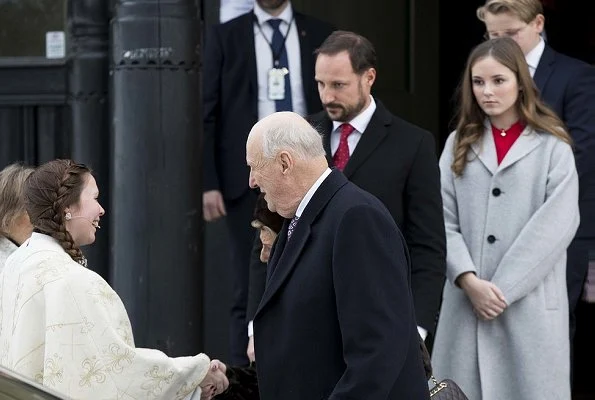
446, 389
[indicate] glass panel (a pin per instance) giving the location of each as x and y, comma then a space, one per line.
24, 25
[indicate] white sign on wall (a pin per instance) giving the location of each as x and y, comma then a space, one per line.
55, 44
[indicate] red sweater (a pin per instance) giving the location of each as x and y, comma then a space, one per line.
504, 142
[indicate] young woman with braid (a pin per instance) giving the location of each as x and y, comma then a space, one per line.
510, 195
15, 226
62, 325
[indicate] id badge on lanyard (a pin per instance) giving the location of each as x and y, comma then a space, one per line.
276, 80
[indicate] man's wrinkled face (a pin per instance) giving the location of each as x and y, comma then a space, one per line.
265, 174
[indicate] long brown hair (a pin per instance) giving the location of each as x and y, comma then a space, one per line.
531, 109
49, 190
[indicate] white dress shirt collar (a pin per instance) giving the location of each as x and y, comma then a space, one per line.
311, 192
262, 16
534, 56
361, 121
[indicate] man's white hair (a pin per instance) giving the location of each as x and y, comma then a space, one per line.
294, 135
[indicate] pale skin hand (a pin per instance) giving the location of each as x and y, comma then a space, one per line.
487, 299
250, 350
212, 205
215, 382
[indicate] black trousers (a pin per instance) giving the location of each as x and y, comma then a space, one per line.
241, 235
576, 273
579, 252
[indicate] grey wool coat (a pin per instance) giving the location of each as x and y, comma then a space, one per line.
510, 224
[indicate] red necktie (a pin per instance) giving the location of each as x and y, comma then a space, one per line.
342, 154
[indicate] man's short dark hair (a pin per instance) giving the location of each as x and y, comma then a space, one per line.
361, 51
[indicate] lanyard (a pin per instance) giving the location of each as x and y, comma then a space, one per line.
276, 55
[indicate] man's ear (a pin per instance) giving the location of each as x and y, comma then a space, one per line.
370, 77
286, 161
539, 23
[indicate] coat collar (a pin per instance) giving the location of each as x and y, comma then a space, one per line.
375, 133
39, 241
285, 254
485, 149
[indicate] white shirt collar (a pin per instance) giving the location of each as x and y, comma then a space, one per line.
311, 192
262, 16
534, 55
361, 121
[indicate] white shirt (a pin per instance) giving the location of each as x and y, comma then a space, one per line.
534, 56
360, 123
264, 59
311, 192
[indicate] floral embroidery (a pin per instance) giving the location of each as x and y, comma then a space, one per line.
93, 372
157, 379
52, 371
87, 325
103, 293
124, 330
46, 274
186, 389
117, 358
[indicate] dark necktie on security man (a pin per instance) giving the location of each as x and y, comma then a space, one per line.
279, 83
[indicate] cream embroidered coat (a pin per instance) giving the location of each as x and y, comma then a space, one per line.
6, 249
62, 325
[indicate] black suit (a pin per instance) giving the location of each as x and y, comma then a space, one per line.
396, 161
568, 86
336, 319
230, 106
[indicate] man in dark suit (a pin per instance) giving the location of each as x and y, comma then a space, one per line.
567, 85
254, 65
386, 156
336, 320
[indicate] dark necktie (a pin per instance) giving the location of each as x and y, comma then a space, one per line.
279, 50
342, 154
291, 226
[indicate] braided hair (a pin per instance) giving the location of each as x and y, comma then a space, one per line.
49, 190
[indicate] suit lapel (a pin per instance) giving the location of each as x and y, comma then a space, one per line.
525, 144
277, 249
287, 252
544, 68
375, 133
322, 123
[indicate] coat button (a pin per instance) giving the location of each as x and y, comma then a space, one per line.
496, 192
491, 239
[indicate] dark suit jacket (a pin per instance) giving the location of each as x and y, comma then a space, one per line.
230, 96
568, 86
395, 161
336, 320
